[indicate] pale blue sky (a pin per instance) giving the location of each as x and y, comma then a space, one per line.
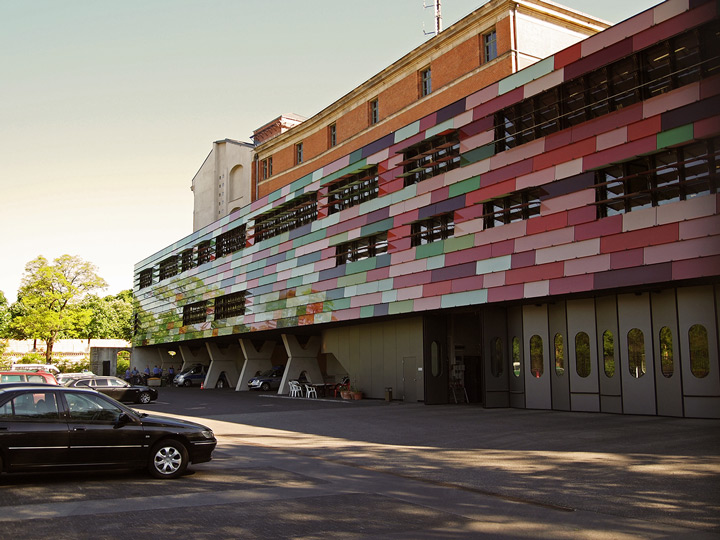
108, 108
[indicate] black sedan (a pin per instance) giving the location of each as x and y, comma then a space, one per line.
117, 388
44, 427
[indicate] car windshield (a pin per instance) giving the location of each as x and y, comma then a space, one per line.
268, 373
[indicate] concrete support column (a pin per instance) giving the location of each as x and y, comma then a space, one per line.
255, 360
301, 359
227, 360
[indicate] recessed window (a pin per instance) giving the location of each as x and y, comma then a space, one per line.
286, 217
583, 367
667, 363
699, 351
537, 361
169, 267
230, 241
267, 165
496, 357
146, 278
675, 174
186, 260
432, 229
332, 135
204, 252
516, 356
374, 111
559, 355
195, 313
425, 82
609, 353
430, 157
362, 248
490, 45
353, 189
517, 206
680, 61
230, 305
298, 153
636, 352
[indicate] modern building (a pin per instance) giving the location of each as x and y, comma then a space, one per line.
521, 212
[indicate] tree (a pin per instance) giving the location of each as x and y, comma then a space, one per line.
51, 295
4, 317
109, 317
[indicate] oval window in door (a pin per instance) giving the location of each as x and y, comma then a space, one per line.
435, 365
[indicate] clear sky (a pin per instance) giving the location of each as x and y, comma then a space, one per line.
108, 108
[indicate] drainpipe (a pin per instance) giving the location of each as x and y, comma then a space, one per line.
257, 178
514, 44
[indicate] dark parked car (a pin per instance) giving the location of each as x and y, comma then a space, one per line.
47, 426
116, 388
267, 380
192, 376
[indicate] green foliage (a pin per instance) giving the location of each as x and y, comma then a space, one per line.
50, 298
5, 316
123, 362
73, 366
109, 317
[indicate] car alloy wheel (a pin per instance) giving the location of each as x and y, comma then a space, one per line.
187, 382
168, 459
145, 397
265, 386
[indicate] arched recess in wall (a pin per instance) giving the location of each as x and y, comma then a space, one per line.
235, 183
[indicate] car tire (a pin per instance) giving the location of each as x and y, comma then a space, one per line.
144, 398
265, 386
168, 459
187, 383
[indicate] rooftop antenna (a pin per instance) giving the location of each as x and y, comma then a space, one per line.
438, 18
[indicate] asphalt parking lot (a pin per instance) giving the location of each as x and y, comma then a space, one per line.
299, 468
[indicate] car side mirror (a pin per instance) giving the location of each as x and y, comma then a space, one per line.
122, 420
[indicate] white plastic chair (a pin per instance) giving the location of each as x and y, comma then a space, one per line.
295, 389
310, 391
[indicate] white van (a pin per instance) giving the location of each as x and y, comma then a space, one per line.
48, 368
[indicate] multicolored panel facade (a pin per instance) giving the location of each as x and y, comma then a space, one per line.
595, 169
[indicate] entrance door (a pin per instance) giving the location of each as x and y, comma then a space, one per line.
668, 379
582, 352
412, 379
435, 361
697, 322
537, 372
637, 369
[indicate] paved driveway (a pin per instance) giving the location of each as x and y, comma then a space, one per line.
297, 468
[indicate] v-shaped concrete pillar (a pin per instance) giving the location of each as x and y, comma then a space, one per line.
301, 359
228, 360
255, 360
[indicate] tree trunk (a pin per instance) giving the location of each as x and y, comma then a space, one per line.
48, 350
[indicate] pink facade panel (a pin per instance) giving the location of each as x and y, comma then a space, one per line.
474, 283
614, 155
695, 269
688, 249
572, 284
698, 228
664, 234
616, 33
588, 265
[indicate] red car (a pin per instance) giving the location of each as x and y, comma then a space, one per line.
27, 376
